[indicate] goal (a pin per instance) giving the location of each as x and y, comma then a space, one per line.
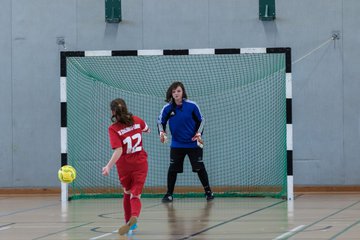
244, 95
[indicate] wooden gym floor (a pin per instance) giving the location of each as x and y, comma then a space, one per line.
309, 216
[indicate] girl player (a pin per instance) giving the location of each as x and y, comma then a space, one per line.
130, 158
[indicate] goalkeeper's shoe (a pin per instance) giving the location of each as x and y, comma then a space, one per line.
167, 198
209, 195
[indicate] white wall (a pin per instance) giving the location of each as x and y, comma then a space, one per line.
325, 84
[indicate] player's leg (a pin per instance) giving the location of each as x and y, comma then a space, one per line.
127, 205
127, 208
177, 156
131, 224
137, 184
125, 180
198, 166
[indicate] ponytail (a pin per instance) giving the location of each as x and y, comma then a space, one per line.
120, 112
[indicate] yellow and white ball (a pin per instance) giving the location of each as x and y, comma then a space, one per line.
67, 174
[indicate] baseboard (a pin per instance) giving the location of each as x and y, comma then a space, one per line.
30, 190
297, 189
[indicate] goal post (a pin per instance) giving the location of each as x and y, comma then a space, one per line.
244, 94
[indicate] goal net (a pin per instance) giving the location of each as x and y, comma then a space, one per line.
241, 96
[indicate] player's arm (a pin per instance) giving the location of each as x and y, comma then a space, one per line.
162, 119
146, 129
116, 145
162, 133
161, 123
114, 158
199, 125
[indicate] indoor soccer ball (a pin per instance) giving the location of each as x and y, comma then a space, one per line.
67, 174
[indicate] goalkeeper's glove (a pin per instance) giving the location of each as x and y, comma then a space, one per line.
198, 139
163, 137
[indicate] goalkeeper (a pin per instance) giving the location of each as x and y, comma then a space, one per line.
186, 126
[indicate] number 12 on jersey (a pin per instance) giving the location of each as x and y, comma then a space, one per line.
129, 146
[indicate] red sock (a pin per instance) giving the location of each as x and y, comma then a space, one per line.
127, 207
135, 206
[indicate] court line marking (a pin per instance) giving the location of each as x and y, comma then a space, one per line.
95, 229
230, 220
307, 226
289, 233
28, 210
115, 231
128, 236
345, 230
6, 226
104, 235
54, 233
220, 224
107, 215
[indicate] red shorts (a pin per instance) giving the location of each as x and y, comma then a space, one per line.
132, 172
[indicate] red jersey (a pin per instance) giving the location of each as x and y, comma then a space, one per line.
130, 139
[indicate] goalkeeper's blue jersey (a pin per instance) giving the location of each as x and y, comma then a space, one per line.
184, 122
